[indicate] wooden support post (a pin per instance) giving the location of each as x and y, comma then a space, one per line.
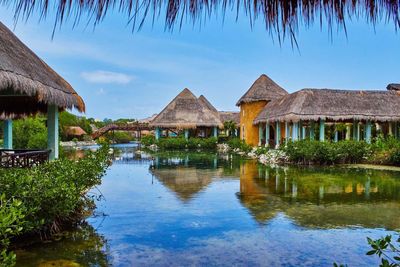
312, 130
267, 134
278, 134
295, 134
157, 133
8, 137
215, 132
260, 134
348, 130
336, 137
368, 132
186, 134
52, 131
287, 133
322, 130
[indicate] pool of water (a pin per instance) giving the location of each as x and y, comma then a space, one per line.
204, 209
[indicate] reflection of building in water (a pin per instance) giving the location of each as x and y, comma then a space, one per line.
320, 198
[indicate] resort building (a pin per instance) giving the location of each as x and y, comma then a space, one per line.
263, 91
29, 86
321, 114
196, 117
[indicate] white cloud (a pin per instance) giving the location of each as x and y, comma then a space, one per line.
101, 76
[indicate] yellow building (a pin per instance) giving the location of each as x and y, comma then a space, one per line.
253, 102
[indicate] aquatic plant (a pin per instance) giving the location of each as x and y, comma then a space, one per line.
44, 199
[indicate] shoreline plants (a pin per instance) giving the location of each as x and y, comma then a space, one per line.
43, 200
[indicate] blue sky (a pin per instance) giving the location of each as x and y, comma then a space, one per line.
133, 75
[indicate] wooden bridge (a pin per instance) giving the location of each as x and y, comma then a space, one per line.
131, 127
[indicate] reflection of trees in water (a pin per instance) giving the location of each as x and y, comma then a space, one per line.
82, 247
321, 197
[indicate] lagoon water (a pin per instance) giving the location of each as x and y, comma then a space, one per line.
204, 209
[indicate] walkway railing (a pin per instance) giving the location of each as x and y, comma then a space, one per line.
22, 158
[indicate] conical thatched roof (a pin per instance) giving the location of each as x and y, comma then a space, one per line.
262, 89
74, 131
330, 104
186, 111
207, 103
23, 73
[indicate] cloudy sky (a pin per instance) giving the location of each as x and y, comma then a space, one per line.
121, 73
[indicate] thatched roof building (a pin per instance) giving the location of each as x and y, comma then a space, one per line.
185, 111
74, 131
204, 101
229, 116
36, 85
335, 105
263, 89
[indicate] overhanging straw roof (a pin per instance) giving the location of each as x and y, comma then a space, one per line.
262, 89
230, 116
185, 111
24, 74
336, 105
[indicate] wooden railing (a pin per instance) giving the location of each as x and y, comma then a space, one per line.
22, 158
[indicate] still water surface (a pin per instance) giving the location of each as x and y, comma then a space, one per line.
204, 209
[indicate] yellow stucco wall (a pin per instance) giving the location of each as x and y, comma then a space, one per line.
248, 112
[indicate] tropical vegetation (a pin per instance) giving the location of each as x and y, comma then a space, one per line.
43, 200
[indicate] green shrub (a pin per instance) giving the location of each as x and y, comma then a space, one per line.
44, 198
30, 128
148, 140
236, 143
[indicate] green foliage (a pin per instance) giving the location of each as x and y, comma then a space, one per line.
315, 152
30, 133
44, 198
191, 143
387, 251
119, 137
67, 119
230, 126
148, 140
236, 143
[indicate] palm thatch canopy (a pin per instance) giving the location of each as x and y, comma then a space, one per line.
230, 116
336, 105
185, 111
393, 86
279, 16
74, 131
27, 83
262, 89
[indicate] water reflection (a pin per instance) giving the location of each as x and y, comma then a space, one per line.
322, 197
82, 247
204, 209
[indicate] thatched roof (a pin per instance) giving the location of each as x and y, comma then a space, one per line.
278, 16
230, 116
262, 89
207, 103
74, 131
186, 111
336, 105
393, 86
24, 74
148, 119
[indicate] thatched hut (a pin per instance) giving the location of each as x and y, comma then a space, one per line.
29, 86
252, 102
74, 131
359, 113
186, 112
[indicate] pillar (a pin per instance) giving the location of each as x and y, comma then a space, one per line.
295, 135
7, 138
336, 137
322, 130
348, 130
368, 132
157, 133
355, 123
186, 134
300, 130
215, 132
52, 131
267, 134
287, 133
358, 133
312, 131
390, 129
278, 133
260, 134
303, 132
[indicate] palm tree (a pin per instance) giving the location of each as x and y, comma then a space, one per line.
230, 127
281, 17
